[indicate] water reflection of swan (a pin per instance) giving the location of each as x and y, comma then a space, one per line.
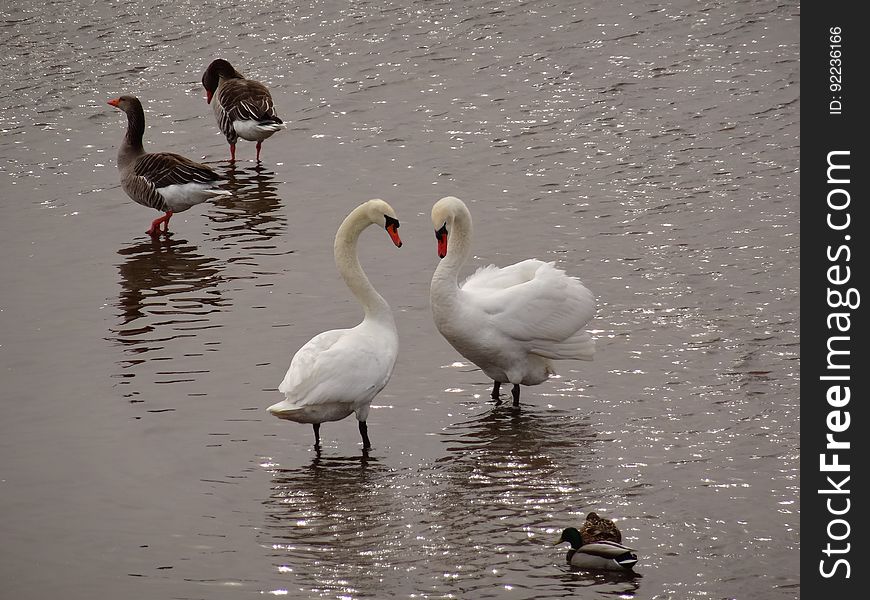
536, 438
167, 292
509, 464
333, 521
499, 484
254, 206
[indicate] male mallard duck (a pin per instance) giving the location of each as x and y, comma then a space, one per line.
597, 545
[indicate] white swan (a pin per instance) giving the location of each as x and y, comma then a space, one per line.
339, 372
510, 322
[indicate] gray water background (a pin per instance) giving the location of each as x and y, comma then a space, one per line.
649, 148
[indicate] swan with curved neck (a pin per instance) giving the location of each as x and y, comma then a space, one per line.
512, 321
339, 372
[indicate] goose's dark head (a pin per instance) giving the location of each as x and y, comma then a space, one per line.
218, 69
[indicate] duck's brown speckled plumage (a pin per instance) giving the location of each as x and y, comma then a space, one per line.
598, 529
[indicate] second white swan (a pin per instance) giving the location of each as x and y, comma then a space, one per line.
512, 321
339, 372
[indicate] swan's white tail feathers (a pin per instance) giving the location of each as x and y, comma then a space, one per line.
579, 346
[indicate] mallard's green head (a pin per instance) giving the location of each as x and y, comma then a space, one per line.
572, 536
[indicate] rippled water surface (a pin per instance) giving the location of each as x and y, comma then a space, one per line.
649, 148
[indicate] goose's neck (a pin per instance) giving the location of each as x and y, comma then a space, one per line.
132, 147
347, 261
445, 281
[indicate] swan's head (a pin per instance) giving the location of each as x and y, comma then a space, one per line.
444, 215
572, 536
382, 214
212, 76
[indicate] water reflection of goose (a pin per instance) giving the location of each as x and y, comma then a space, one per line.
164, 282
254, 207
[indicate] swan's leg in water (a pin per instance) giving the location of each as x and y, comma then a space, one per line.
495, 387
316, 435
364, 432
515, 392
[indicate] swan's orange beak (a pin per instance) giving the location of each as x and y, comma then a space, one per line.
441, 237
114, 102
393, 230
208, 97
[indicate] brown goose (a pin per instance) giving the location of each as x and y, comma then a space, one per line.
243, 107
164, 181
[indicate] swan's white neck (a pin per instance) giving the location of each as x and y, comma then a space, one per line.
445, 284
347, 261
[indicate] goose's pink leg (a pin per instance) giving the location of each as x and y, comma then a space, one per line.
154, 230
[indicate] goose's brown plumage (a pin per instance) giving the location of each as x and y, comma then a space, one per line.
243, 107
163, 181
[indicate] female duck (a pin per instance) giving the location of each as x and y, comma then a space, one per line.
512, 321
339, 372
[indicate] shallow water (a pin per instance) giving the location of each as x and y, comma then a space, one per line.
649, 148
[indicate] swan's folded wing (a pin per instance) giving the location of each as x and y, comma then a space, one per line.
334, 366
496, 278
531, 301
302, 373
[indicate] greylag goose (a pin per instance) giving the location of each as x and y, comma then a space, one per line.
243, 107
511, 321
597, 545
339, 372
164, 181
